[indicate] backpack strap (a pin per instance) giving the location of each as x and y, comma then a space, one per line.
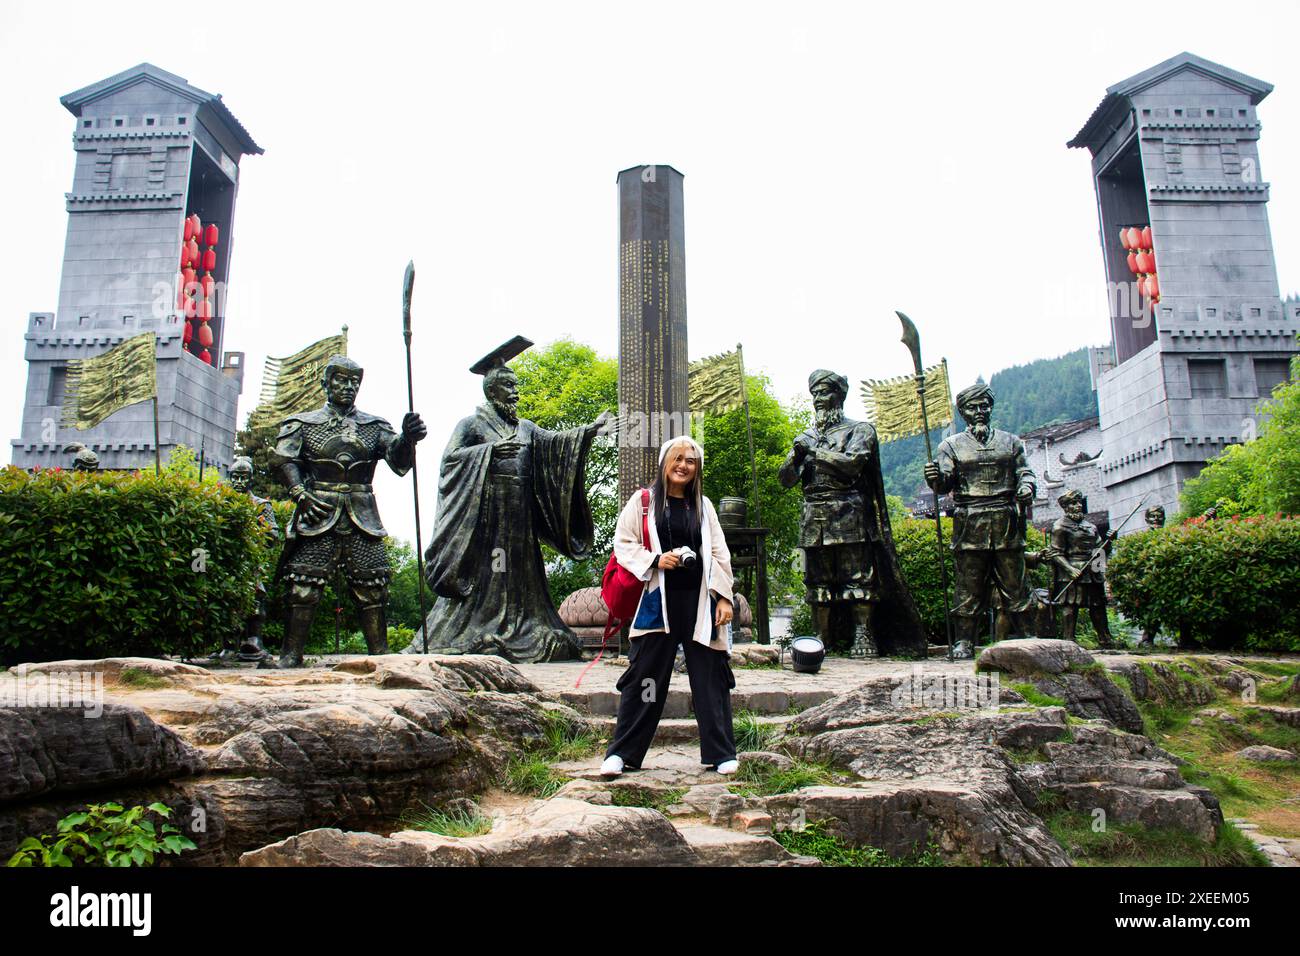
645, 517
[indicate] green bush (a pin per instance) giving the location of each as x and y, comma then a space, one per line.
112, 563
1225, 583
104, 834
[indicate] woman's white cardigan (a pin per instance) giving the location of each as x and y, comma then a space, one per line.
652, 612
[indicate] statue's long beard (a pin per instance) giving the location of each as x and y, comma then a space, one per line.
828, 417
980, 432
507, 410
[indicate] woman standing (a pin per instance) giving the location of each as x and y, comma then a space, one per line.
687, 601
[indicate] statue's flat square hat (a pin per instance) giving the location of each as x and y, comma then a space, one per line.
501, 354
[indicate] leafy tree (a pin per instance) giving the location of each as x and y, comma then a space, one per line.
566, 385
1262, 476
727, 473
182, 462
257, 443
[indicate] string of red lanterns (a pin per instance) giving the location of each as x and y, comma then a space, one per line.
194, 293
1142, 260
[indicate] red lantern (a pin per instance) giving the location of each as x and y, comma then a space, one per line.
1131, 236
1153, 288
188, 334
210, 260
186, 261
210, 235
1123, 239
189, 230
204, 310
1146, 238
208, 284
1133, 262
190, 308
197, 226
193, 248
205, 356
205, 335
1144, 262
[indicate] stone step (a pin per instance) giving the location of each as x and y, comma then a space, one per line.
715, 846
676, 730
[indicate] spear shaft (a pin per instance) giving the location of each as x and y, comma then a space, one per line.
408, 287
912, 339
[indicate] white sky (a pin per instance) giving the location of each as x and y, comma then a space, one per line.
841, 162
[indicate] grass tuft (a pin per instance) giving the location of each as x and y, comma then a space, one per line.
814, 840
452, 823
750, 731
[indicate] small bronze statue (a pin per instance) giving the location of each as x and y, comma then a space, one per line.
1078, 580
505, 485
85, 460
327, 459
250, 644
1155, 519
988, 473
845, 535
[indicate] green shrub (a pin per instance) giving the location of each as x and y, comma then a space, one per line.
104, 834
1225, 583
115, 564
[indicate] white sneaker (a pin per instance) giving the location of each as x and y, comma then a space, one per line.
728, 766
612, 766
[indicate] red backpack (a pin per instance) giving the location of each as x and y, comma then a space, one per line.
620, 589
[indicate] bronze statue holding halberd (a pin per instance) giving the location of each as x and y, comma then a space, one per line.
327, 459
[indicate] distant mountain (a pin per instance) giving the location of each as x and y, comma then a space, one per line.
1043, 392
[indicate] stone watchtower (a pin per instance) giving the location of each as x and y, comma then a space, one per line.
151, 151
1175, 148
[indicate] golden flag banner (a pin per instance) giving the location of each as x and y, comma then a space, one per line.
97, 387
892, 406
293, 384
716, 384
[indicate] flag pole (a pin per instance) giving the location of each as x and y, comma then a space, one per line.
408, 286
157, 448
749, 431
912, 339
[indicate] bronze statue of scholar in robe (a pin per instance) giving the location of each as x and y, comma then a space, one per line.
992, 485
850, 566
327, 458
506, 484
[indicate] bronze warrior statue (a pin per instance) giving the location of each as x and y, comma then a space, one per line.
845, 535
1155, 517
988, 473
505, 485
327, 459
250, 644
1077, 569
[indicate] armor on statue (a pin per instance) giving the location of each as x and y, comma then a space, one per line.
1076, 568
988, 474
327, 459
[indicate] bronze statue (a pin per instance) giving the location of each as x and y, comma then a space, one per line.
1078, 581
505, 485
250, 644
85, 460
988, 473
845, 535
327, 459
1155, 517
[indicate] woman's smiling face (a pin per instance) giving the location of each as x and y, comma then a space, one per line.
680, 465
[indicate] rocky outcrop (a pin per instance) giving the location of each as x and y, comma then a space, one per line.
556, 832
1065, 671
246, 757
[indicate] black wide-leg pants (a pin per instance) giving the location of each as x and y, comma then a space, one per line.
644, 689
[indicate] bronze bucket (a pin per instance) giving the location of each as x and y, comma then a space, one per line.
733, 512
